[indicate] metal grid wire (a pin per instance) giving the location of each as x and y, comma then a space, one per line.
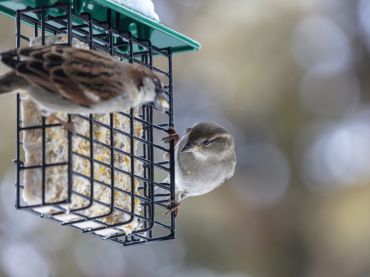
104, 36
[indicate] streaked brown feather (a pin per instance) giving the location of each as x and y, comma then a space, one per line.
71, 72
34, 77
138, 72
95, 73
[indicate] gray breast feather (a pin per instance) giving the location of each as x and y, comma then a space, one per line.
196, 177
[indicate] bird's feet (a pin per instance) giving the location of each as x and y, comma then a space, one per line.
173, 207
173, 136
67, 125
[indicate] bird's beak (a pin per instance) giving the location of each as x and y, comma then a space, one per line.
190, 147
161, 102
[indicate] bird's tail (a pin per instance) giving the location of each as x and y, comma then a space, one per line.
10, 58
11, 82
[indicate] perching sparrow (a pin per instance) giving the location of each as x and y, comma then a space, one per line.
204, 159
72, 80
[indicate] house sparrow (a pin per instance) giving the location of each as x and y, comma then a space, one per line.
72, 80
204, 157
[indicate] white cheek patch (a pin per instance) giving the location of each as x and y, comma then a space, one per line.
147, 90
148, 84
199, 155
92, 96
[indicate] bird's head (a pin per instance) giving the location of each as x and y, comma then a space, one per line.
151, 90
161, 99
208, 140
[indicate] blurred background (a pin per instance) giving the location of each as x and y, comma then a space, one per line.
290, 79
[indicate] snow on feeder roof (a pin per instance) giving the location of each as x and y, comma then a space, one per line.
141, 26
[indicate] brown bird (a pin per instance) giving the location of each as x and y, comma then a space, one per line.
72, 80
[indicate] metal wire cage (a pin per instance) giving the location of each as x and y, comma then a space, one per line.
147, 189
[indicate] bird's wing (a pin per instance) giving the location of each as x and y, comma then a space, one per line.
81, 76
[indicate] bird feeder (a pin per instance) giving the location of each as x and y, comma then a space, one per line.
108, 178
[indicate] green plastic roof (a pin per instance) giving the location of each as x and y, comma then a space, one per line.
141, 26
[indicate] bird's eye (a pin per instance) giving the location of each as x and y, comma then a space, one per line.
206, 142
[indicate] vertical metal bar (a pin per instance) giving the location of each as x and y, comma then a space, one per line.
110, 38
146, 154
132, 160
18, 42
69, 24
91, 38
150, 55
70, 164
70, 138
151, 184
132, 139
170, 85
43, 160
18, 28
36, 30
91, 33
172, 146
43, 26
112, 161
91, 159
131, 49
110, 35
151, 157
145, 150
17, 205
43, 133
